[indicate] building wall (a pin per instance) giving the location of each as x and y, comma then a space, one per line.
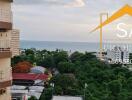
5, 11
10, 39
5, 37
5, 75
126, 57
15, 44
7, 95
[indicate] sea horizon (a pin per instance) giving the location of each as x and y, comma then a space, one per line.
68, 45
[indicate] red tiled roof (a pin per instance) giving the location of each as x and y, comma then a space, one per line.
25, 76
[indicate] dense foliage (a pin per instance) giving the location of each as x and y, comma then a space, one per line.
32, 98
104, 81
22, 67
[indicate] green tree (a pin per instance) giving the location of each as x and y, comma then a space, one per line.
47, 94
129, 83
125, 95
32, 98
15, 60
115, 87
47, 61
76, 56
58, 90
29, 51
66, 82
66, 67
60, 56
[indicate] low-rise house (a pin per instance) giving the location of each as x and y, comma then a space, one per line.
27, 79
25, 92
26, 85
38, 70
66, 98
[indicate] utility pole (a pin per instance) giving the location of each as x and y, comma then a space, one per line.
101, 33
52, 85
86, 85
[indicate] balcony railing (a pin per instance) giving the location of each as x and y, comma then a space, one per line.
5, 49
4, 45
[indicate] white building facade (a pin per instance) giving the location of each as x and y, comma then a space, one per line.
118, 55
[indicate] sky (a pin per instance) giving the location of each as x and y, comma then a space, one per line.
66, 20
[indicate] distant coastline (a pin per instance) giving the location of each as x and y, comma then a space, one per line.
53, 45
67, 46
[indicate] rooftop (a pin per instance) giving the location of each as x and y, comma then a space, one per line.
66, 98
26, 76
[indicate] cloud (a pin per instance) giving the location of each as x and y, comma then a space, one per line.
60, 23
76, 3
27, 2
40, 2
65, 3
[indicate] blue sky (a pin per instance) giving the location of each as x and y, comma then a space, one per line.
63, 20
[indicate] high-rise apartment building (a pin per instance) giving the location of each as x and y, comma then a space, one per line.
118, 55
6, 41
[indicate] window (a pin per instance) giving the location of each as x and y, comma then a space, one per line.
1, 75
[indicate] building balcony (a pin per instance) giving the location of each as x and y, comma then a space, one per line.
5, 25
5, 84
10, 0
5, 50
5, 20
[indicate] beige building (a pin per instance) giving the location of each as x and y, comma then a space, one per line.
15, 43
6, 36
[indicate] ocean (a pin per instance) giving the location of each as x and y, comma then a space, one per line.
69, 46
